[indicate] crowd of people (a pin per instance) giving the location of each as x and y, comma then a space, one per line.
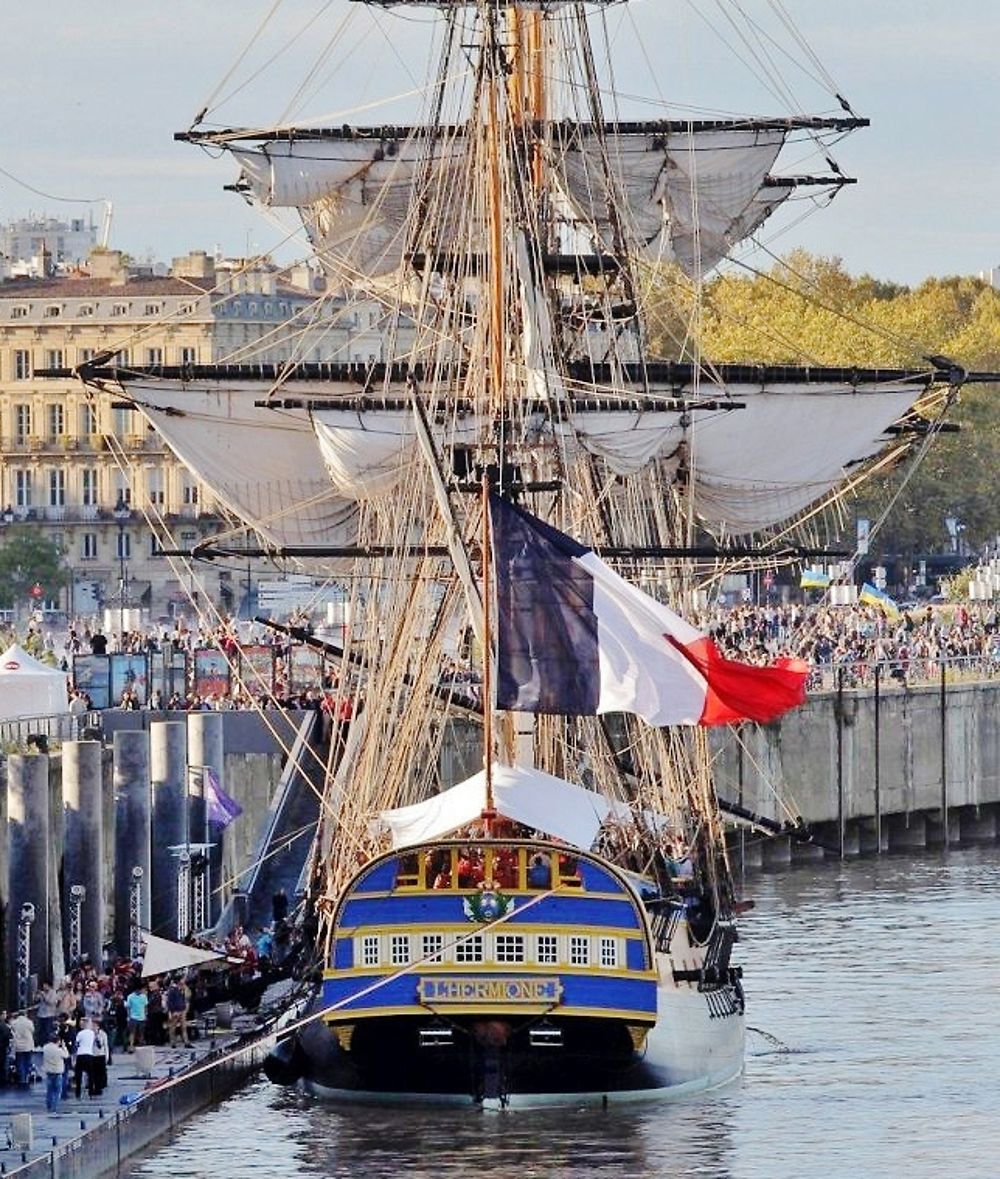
69, 1037
850, 641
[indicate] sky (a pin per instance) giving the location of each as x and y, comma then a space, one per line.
92, 94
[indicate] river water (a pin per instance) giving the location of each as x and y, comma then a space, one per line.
880, 979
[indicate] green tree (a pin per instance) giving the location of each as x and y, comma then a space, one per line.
27, 560
810, 310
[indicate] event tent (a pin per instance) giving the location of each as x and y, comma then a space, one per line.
30, 688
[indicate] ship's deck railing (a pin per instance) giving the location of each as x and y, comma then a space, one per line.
501, 866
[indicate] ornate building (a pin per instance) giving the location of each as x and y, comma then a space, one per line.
85, 470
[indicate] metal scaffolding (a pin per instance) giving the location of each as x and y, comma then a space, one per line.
77, 895
135, 913
24, 924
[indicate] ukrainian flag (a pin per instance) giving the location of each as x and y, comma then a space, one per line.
876, 597
813, 579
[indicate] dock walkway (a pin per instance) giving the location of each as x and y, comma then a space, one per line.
89, 1135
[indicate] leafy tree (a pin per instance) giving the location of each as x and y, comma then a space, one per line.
809, 310
26, 560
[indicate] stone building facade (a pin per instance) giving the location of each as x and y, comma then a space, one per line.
84, 469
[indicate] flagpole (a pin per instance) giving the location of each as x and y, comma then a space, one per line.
489, 809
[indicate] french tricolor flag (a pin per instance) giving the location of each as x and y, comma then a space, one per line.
575, 639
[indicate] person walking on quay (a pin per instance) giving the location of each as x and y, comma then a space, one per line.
99, 1064
137, 1002
177, 1005
24, 1047
84, 1062
46, 1012
54, 1058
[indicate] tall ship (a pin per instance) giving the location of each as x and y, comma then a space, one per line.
519, 888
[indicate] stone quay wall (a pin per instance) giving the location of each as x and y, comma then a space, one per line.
871, 770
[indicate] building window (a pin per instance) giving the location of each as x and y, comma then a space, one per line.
189, 356
57, 488
119, 309
57, 421
431, 946
22, 489
154, 355
53, 311
509, 947
88, 486
154, 487
547, 949
189, 537
152, 309
19, 312
22, 422
609, 952
186, 309
369, 950
124, 422
189, 495
86, 310
88, 420
579, 950
53, 358
399, 949
123, 357
470, 950
88, 547
123, 547
85, 355
22, 365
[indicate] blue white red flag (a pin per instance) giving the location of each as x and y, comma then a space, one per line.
220, 807
575, 639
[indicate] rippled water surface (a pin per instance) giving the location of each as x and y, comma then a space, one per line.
882, 979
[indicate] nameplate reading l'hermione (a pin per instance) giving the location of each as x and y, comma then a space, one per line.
489, 990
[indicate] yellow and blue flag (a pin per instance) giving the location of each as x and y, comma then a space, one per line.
813, 579
873, 596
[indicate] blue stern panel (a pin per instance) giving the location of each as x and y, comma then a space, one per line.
493, 927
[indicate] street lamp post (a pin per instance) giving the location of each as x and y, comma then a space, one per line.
122, 514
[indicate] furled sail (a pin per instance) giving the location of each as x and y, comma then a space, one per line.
369, 454
686, 193
754, 468
263, 466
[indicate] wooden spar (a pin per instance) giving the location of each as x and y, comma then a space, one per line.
537, 90
489, 809
496, 283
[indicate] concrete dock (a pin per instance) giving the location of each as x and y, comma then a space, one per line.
91, 1136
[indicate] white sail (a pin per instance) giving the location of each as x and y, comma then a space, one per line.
686, 194
371, 453
689, 197
261, 464
751, 468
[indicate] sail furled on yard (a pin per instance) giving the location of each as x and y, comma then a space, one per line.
752, 468
684, 194
574, 638
262, 465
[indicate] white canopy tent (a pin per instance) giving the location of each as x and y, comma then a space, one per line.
529, 796
30, 688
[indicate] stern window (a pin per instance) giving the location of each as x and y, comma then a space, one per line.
432, 945
470, 950
609, 952
399, 949
509, 947
547, 949
579, 951
369, 951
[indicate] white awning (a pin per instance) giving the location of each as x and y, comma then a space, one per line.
163, 956
538, 800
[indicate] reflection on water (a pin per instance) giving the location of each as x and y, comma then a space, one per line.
882, 978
